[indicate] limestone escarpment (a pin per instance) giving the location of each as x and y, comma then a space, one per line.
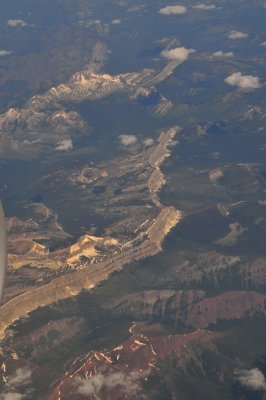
29, 252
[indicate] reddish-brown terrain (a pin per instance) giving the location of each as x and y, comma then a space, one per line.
117, 374
191, 308
102, 374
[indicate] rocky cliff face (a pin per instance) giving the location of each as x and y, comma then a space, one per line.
167, 305
191, 308
213, 269
226, 306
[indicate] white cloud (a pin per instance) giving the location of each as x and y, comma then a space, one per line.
64, 145
178, 53
205, 7
12, 396
243, 82
252, 378
127, 140
263, 44
4, 53
237, 35
18, 22
116, 21
222, 54
173, 10
21, 377
91, 386
173, 143
94, 385
148, 142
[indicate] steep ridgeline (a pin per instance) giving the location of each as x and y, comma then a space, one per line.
145, 244
190, 308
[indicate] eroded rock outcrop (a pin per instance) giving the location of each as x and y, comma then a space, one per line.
168, 305
226, 306
212, 269
191, 308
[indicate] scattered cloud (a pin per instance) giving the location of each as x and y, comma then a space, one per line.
173, 10
252, 379
205, 7
18, 22
243, 82
127, 140
21, 377
222, 54
263, 44
178, 53
173, 143
237, 35
4, 53
116, 21
64, 145
94, 385
12, 396
148, 142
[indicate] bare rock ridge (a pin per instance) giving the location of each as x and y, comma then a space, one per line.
154, 79
156, 180
215, 269
29, 252
45, 122
191, 308
147, 244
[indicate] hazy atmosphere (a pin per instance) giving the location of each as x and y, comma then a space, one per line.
133, 183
